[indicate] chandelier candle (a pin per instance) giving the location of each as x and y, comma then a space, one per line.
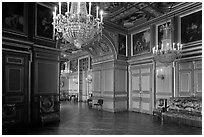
59, 7
97, 12
79, 7
67, 6
89, 8
101, 13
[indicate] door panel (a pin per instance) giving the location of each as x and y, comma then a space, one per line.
146, 90
145, 83
136, 100
136, 90
185, 83
198, 82
135, 83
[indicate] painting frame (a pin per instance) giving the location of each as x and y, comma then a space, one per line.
14, 17
122, 45
43, 21
138, 39
159, 33
191, 27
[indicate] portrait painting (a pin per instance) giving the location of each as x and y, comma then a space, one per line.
122, 44
44, 22
141, 42
191, 27
13, 16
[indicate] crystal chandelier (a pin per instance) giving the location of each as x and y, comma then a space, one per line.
169, 51
77, 26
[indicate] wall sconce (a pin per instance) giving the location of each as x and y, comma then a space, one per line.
160, 73
75, 80
89, 78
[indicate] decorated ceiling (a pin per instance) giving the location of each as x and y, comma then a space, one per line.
129, 14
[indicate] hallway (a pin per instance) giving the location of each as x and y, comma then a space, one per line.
78, 119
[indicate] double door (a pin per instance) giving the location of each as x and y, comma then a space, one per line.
141, 89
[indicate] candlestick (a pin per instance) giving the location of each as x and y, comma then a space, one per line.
59, 7
89, 8
67, 6
101, 13
166, 32
53, 16
97, 12
156, 47
55, 11
53, 35
79, 7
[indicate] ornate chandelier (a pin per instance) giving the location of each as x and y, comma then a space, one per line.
77, 26
168, 51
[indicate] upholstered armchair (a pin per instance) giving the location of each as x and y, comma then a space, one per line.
49, 109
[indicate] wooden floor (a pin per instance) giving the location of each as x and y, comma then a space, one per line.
78, 119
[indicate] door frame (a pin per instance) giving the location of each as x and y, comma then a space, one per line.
132, 67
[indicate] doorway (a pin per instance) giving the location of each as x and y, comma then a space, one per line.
141, 89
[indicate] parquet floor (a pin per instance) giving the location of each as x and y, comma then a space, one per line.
78, 119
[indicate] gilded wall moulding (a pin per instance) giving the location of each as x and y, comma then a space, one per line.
105, 49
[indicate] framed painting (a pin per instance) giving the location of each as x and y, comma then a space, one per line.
13, 17
160, 32
191, 27
141, 42
44, 19
122, 44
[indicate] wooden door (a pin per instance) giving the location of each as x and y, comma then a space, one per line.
15, 85
141, 89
